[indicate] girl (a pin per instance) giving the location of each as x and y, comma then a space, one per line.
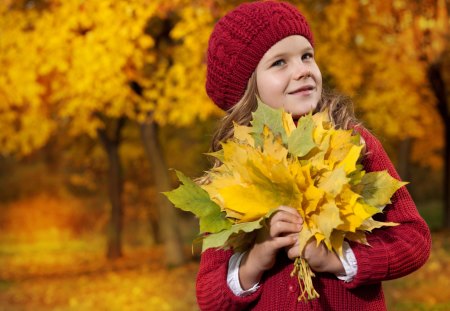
266, 49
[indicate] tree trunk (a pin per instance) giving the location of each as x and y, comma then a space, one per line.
110, 138
403, 165
168, 228
154, 230
438, 85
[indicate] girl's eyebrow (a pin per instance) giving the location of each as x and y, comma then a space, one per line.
277, 56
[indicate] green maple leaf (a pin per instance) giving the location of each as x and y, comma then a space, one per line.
232, 237
270, 117
370, 224
192, 198
378, 188
301, 141
219, 239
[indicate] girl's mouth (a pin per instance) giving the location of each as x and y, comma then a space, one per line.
304, 90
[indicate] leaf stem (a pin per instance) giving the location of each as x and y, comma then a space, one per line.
304, 275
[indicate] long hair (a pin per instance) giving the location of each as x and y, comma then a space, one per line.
241, 113
340, 110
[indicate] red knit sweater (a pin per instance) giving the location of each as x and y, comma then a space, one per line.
394, 252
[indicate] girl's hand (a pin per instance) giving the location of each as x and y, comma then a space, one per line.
282, 231
319, 258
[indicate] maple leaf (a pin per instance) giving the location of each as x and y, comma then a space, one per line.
267, 116
190, 197
301, 140
288, 123
228, 237
327, 220
244, 134
333, 181
378, 188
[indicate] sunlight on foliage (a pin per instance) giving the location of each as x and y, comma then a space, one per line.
379, 54
178, 89
70, 63
66, 62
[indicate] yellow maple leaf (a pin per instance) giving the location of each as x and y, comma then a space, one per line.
243, 133
323, 126
311, 198
327, 220
288, 123
350, 160
333, 181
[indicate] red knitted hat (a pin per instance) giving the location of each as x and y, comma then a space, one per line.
239, 41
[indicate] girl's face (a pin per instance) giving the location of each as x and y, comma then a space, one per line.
287, 76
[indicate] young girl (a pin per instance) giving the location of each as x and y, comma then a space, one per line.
265, 49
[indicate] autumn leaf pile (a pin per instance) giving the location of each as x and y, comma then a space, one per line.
312, 167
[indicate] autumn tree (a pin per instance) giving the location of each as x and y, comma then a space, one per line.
175, 94
70, 66
383, 54
433, 43
88, 68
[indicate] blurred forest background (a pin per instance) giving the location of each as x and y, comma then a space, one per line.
98, 99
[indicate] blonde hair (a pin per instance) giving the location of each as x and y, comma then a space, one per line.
340, 110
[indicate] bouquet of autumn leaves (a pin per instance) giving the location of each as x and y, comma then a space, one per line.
312, 167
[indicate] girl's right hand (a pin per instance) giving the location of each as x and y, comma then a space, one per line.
279, 234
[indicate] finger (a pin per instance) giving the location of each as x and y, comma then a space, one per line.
283, 228
293, 252
289, 210
295, 235
297, 242
286, 214
284, 241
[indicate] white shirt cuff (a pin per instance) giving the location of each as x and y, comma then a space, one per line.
348, 260
233, 277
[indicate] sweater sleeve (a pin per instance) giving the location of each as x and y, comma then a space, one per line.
394, 251
212, 288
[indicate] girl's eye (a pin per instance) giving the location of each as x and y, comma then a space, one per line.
307, 56
279, 62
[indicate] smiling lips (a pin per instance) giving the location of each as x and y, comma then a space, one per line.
304, 90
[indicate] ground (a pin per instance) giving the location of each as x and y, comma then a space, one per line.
81, 279
52, 257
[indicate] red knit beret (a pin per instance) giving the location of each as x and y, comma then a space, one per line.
239, 41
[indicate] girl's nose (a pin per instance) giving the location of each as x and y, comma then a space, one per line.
300, 71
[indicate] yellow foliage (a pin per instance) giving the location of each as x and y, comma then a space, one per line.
313, 168
71, 61
179, 89
326, 191
379, 53
68, 62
